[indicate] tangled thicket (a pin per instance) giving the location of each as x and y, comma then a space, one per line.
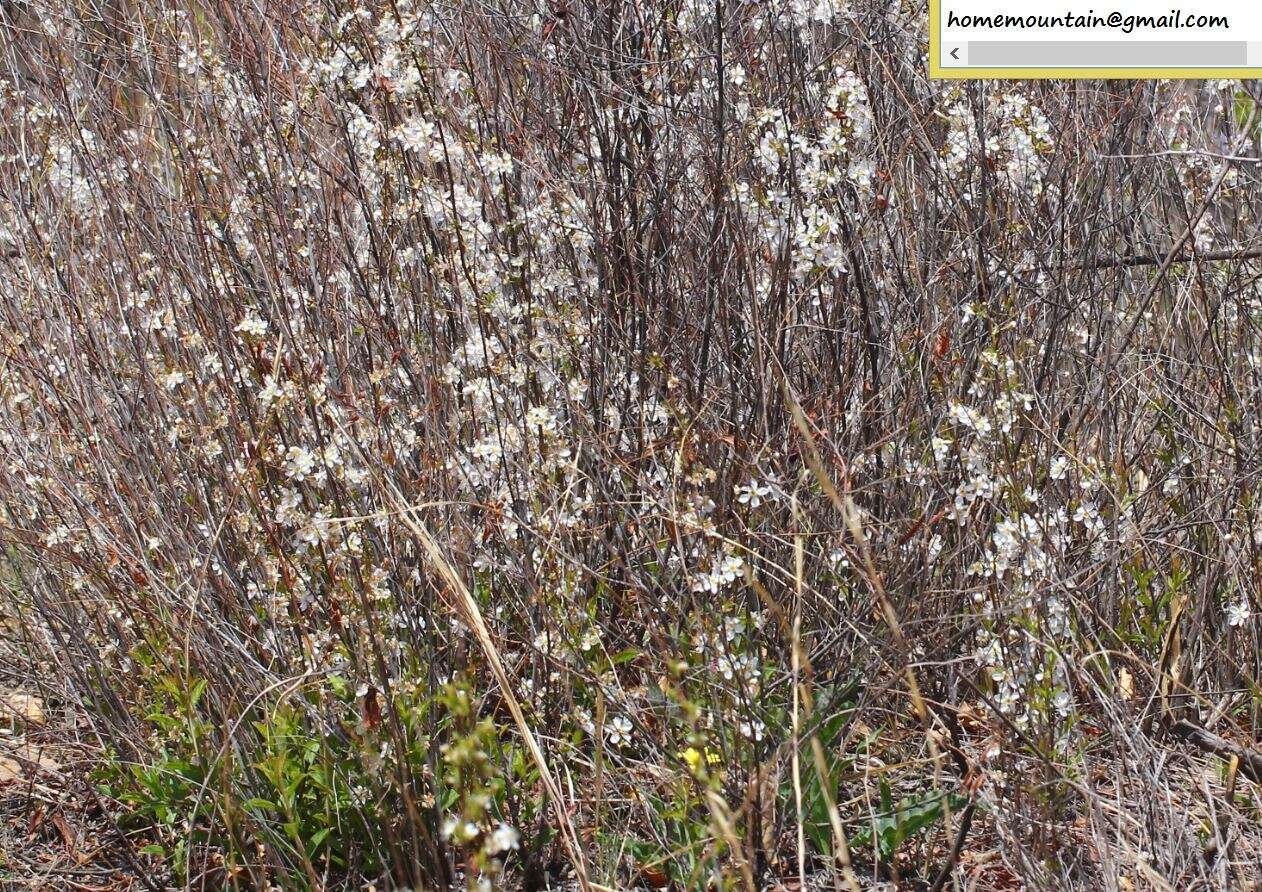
634, 442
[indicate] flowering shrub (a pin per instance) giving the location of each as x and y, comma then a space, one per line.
731, 363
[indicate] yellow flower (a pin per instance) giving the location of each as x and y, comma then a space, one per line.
693, 757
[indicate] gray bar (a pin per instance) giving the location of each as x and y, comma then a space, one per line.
1107, 54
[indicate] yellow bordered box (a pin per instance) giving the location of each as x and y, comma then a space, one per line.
1195, 55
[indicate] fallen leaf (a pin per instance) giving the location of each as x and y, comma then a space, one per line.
1126, 684
32, 758
68, 836
654, 876
25, 708
9, 770
35, 821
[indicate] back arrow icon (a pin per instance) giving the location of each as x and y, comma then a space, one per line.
955, 54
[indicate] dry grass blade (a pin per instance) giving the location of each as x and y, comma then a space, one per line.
472, 615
